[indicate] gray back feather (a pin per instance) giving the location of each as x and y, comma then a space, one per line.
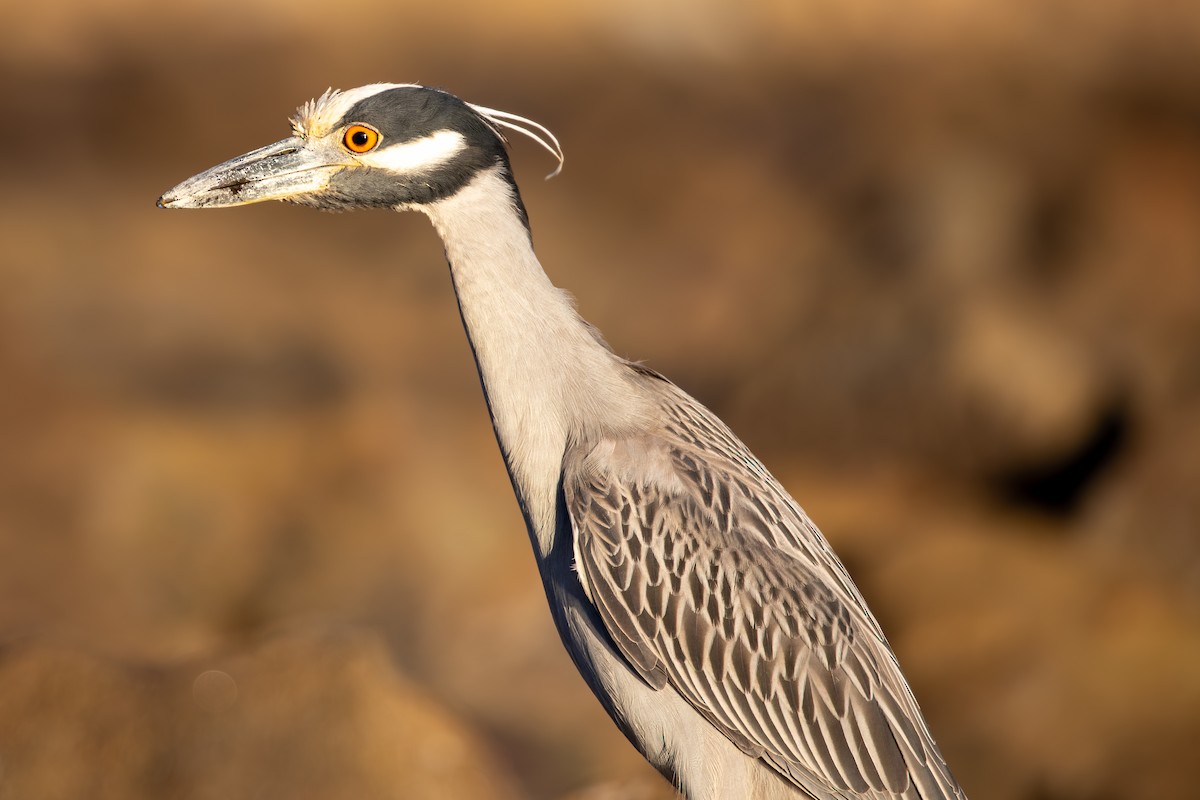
713, 582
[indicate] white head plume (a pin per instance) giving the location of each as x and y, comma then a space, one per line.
525, 126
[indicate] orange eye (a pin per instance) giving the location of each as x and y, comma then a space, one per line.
360, 138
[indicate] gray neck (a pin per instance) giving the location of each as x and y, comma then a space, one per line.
548, 379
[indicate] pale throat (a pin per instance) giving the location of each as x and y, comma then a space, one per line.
547, 378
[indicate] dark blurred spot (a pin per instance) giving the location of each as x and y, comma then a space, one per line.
293, 376
1057, 484
1053, 228
879, 228
1040, 791
1149, 93
819, 133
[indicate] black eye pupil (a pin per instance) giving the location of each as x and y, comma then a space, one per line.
360, 138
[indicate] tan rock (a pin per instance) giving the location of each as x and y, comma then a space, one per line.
300, 715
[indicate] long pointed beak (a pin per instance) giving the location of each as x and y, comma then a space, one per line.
284, 170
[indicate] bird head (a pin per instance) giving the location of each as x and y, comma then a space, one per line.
377, 146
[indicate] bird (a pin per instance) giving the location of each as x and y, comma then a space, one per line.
701, 605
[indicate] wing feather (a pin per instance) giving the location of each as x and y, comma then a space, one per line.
712, 581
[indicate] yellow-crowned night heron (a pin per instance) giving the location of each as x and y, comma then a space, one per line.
700, 603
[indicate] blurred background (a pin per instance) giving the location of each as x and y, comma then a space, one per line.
938, 263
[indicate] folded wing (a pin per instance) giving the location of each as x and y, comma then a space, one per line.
690, 557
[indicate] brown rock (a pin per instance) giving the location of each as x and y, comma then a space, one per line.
310, 715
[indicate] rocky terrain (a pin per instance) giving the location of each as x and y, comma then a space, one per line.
940, 268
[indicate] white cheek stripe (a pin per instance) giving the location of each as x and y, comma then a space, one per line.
430, 151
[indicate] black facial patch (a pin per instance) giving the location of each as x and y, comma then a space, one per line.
406, 114
414, 112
